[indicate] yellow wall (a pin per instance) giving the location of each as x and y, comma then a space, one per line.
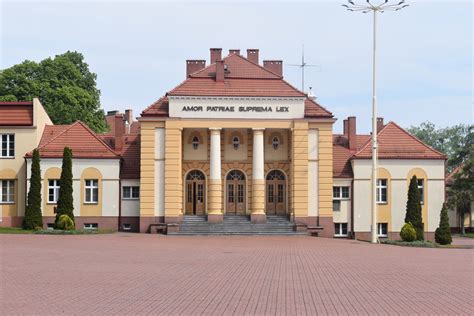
53, 173
147, 167
91, 209
173, 169
384, 214
10, 209
421, 174
299, 167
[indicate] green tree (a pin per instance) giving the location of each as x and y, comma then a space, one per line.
460, 193
413, 211
443, 232
454, 141
64, 84
33, 217
65, 198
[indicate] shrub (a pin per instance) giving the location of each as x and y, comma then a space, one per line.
408, 232
65, 223
443, 232
65, 198
33, 216
413, 214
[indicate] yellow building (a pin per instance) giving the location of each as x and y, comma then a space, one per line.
234, 138
21, 128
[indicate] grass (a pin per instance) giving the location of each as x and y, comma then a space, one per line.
420, 244
15, 230
19, 230
468, 235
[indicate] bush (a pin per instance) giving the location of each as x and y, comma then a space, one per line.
33, 216
408, 232
443, 232
65, 223
413, 210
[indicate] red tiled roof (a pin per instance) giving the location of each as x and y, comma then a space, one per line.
131, 157
158, 108
396, 143
16, 113
450, 176
341, 154
314, 109
77, 136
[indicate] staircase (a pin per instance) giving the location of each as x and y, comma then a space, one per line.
236, 225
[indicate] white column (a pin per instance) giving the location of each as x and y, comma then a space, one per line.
215, 162
258, 160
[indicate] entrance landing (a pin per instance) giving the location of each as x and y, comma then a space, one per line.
236, 225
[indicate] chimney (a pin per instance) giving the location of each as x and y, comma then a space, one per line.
346, 127
193, 66
380, 124
234, 51
252, 55
220, 71
352, 132
112, 113
119, 131
275, 66
129, 116
216, 54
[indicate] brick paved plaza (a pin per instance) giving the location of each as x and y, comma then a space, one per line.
138, 274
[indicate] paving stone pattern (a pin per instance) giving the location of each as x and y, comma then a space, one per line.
229, 275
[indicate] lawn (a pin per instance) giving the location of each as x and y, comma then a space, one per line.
19, 230
468, 235
14, 230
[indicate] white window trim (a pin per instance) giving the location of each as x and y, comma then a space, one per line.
55, 188
8, 146
10, 187
340, 197
131, 190
422, 198
90, 226
379, 230
91, 187
380, 187
339, 233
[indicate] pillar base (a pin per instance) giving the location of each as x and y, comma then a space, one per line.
215, 218
258, 218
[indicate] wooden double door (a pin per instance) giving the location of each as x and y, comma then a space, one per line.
275, 193
236, 192
195, 193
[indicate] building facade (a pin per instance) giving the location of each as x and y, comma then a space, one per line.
21, 127
235, 138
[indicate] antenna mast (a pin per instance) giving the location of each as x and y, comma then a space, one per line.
303, 65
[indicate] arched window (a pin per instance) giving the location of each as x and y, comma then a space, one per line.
276, 142
235, 175
195, 142
195, 175
275, 175
235, 142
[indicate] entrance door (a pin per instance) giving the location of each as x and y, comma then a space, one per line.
195, 193
235, 193
276, 193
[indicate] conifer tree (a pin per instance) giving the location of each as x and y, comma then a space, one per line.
443, 232
413, 211
65, 198
33, 217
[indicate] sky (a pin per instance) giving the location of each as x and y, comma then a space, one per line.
138, 50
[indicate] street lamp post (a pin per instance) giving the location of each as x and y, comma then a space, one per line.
372, 6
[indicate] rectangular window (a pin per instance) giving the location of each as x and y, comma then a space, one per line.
381, 191
126, 227
7, 188
270, 193
240, 193
421, 185
7, 146
340, 229
336, 205
280, 193
382, 229
131, 192
53, 191
92, 191
230, 193
339, 193
91, 225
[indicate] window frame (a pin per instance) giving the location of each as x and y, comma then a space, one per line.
131, 195
9, 150
91, 226
56, 186
339, 232
380, 230
340, 195
421, 189
10, 189
380, 189
91, 188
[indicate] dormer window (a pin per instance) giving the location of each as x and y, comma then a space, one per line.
275, 143
236, 142
195, 142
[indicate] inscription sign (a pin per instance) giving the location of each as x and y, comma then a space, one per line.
235, 109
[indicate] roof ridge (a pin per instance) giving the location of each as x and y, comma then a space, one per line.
69, 126
256, 64
370, 140
316, 103
97, 137
151, 105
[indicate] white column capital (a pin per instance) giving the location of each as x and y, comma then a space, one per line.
215, 130
258, 130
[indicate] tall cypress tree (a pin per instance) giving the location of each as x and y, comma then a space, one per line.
413, 212
443, 232
33, 217
65, 198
